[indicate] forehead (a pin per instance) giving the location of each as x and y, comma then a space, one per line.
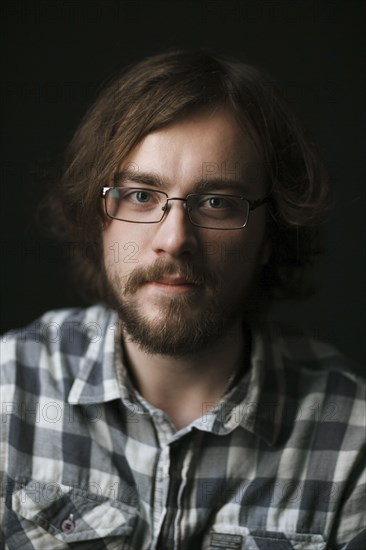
204, 145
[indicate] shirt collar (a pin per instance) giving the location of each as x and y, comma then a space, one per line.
96, 379
255, 403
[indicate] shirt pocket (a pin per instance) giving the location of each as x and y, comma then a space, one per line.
225, 537
53, 516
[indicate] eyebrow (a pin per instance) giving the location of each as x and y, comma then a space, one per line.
202, 185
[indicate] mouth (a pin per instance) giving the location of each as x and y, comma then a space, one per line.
174, 280
174, 285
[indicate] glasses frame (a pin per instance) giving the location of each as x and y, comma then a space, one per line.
252, 205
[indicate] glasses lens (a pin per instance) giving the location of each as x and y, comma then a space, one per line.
135, 204
218, 211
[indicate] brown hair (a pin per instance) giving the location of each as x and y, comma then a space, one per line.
158, 91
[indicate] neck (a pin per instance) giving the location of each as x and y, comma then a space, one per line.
185, 387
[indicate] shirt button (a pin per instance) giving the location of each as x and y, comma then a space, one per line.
68, 525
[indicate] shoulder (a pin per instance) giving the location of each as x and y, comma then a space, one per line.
320, 422
316, 379
312, 357
53, 326
52, 341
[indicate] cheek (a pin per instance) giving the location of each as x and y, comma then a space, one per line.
235, 261
122, 250
234, 252
109, 240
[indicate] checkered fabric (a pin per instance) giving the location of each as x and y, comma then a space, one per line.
87, 463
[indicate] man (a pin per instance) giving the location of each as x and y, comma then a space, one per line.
172, 414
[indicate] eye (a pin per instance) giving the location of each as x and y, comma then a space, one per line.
217, 202
141, 199
140, 196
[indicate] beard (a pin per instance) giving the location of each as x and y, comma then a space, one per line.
180, 326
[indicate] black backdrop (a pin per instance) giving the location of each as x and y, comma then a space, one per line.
58, 53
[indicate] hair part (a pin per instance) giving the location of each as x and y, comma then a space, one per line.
159, 91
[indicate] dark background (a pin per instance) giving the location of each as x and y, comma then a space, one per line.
59, 53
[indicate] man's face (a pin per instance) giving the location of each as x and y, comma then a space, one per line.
178, 287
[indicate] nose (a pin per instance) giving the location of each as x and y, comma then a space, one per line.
175, 235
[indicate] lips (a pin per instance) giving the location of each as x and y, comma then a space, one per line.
172, 285
166, 276
174, 281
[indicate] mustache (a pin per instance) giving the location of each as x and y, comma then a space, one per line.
159, 269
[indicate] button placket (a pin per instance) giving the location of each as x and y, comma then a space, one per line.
162, 480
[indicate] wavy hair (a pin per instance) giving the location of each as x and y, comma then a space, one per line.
158, 91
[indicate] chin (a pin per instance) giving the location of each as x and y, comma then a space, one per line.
176, 328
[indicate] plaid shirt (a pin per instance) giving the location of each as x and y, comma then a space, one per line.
89, 464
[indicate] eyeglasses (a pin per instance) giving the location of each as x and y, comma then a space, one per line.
207, 210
